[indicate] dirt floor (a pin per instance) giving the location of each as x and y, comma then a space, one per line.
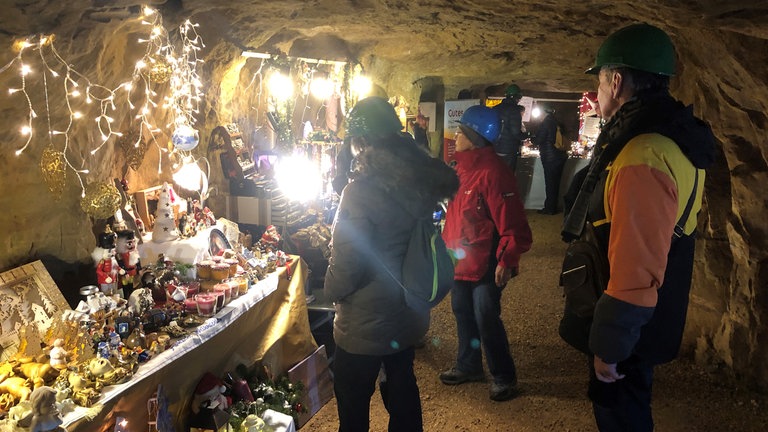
552, 376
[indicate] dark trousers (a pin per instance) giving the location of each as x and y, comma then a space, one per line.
477, 308
354, 382
624, 405
553, 172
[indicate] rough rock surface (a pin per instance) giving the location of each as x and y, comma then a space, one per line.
434, 47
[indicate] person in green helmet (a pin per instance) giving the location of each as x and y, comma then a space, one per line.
394, 182
648, 181
511, 134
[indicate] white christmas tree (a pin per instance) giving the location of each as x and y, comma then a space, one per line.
165, 226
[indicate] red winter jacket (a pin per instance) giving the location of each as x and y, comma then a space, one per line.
487, 202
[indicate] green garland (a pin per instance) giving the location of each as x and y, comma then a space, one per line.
280, 395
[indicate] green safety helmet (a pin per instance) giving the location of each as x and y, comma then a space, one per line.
372, 116
513, 90
638, 46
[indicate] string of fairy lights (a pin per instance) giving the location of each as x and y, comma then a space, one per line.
161, 63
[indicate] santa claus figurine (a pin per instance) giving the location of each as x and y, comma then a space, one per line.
106, 265
128, 260
209, 394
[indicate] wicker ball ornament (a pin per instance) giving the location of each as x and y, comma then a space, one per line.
134, 148
101, 200
159, 70
54, 169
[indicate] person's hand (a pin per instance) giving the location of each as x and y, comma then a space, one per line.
606, 372
504, 274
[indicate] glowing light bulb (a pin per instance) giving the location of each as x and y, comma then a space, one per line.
148, 11
361, 86
25, 70
25, 130
77, 114
140, 64
75, 93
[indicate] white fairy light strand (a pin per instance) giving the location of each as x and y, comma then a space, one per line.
184, 99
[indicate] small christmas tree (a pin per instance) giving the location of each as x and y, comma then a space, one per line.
165, 224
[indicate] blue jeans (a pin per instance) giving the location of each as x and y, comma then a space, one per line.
354, 382
624, 405
477, 308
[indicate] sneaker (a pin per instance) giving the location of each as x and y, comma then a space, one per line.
503, 392
454, 376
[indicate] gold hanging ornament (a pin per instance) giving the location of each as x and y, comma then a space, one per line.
160, 71
54, 169
134, 148
101, 200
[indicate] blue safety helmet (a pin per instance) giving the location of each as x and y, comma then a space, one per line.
482, 120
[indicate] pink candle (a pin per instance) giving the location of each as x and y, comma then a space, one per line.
233, 285
225, 289
206, 304
190, 304
192, 288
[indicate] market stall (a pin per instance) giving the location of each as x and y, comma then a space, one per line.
269, 325
530, 180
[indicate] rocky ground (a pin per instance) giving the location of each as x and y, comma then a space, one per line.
552, 376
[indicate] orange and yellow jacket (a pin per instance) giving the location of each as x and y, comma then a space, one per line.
639, 199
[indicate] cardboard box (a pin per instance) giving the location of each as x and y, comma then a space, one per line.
315, 373
249, 210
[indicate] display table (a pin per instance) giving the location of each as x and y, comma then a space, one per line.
530, 180
270, 324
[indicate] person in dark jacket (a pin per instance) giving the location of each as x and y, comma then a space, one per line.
511, 133
394, 183
552, 160
638, 212
487, 230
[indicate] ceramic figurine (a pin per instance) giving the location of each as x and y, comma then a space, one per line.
107, 268
59, 355
45, 415
128, 260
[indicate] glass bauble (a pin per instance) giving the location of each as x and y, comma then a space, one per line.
185, 138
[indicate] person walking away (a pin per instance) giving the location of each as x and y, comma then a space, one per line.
511, 134
394, 183
661, 151
552, 159
487, 230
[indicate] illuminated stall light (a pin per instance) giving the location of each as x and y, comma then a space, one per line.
298, 178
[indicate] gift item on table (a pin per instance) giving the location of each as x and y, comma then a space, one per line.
107, 267
128, 260
165, 225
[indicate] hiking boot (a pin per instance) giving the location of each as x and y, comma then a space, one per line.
503, 392
454, 376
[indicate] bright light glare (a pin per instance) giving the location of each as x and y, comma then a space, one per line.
280, 86
189, 177
321, 88
298, 178
536, 112
361, 86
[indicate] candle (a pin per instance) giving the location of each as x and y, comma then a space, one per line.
190, 304
225, 289
206, 304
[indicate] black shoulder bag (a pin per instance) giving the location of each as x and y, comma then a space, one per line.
586, 270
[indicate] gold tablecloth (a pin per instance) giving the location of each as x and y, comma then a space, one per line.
273, 329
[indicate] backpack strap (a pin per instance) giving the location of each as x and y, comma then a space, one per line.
680, 225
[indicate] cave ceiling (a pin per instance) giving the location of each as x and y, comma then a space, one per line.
542, 45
